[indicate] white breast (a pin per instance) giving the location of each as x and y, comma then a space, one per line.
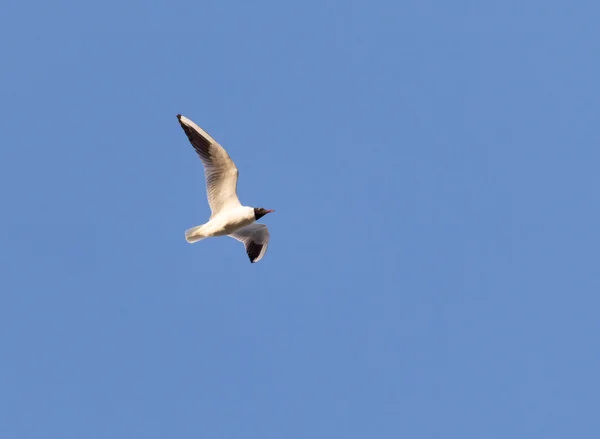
230, 220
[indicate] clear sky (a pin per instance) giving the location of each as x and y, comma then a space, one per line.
433, 266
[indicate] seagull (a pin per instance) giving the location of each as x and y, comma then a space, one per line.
229, 217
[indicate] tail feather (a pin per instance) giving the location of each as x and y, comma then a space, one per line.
194, 234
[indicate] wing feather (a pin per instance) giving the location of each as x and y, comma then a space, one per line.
220, 171
255, 238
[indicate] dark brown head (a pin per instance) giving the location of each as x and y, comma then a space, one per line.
259, 212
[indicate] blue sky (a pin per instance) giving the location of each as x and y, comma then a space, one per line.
433, 266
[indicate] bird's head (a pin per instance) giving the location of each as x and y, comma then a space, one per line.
259, 212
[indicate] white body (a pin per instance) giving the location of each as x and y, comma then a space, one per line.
223, 224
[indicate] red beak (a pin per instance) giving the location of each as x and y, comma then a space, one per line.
269, 211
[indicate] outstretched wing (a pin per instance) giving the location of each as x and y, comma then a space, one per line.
219, 170
255, 238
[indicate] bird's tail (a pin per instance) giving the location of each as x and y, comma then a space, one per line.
194, 234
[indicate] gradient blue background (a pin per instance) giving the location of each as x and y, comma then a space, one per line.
433, 267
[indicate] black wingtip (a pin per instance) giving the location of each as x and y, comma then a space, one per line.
253, 250
179, 117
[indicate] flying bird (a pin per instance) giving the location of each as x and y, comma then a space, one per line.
229, 217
